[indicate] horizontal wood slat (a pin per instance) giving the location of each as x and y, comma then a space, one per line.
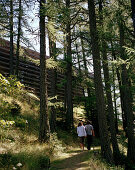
29, 74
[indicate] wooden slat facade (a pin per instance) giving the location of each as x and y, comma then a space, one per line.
29, 72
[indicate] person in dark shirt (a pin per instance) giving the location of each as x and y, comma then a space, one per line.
90, 133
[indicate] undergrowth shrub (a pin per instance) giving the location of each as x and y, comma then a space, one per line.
55, 144
21, 122
40, 162
10, 113
15, 109
25, 161
66, 137
6, 124
11, 86
5, 160
5, 108
9, 110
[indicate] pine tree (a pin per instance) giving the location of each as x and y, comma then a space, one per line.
53, 54
116, 152
44, 131
127, 97
69, 113
18, 37
133, 12
11, 38
103, 129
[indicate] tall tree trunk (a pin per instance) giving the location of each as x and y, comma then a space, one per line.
114, 97
87, 103
11, 39
121, 92
116, 152
78, 59
84, 58
18, 37
133, 12
65, 84
44, 130
69, 114
103, 129
127, 100
52, 47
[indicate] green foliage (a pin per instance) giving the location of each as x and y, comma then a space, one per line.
35, 162
21, 122
11, 86
129, 62
6, 124
15, 109
52, 64
3, 20
79, 111
52, 101
4, 108
118, 62
131, 53
68, 139
62, 83
54, 33
56, 145
10, 111
23, 160
35, 61
5, 160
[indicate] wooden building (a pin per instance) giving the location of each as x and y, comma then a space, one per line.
29, 72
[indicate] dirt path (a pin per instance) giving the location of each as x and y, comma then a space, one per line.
73, 160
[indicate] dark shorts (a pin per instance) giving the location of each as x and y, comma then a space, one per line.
82, 139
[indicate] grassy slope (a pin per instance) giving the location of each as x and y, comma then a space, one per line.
20, 144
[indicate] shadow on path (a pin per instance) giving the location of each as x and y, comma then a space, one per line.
74, 160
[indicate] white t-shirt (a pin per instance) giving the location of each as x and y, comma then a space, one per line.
81, 131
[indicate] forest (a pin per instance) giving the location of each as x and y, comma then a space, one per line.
91, 44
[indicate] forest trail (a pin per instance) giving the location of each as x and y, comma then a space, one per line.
75, 159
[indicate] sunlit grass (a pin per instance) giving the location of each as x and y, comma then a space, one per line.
23, 147
20, 144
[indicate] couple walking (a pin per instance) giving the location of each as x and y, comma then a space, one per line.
85, 131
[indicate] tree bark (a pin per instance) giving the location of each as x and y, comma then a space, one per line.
69, 113
52, 47
127, 99
18, 37
84, 58
115, 104
116, 152
133, 12
103, 129
121, 92
44, 130
87, 103
11, 39
78, 60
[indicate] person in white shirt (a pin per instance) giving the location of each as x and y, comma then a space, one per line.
81, 134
